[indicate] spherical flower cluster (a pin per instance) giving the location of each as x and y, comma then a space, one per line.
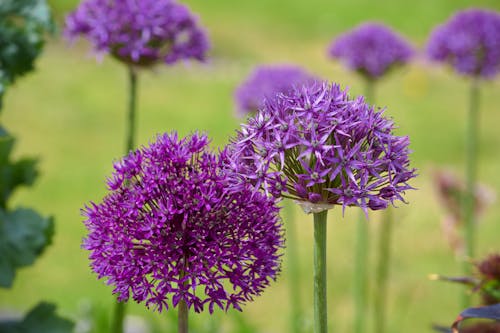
265, 82
371, 49
321, 148
169, 231
470, 42
139, 33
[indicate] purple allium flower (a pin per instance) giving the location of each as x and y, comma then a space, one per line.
317, 146
469, 41
371, 49
169, 231
265, 82
141, 32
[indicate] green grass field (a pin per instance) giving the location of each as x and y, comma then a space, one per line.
70, 113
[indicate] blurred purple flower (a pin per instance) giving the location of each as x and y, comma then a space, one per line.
469, 41
169, 231
321, 148
451, 191
140, 33
266, 82
371, 49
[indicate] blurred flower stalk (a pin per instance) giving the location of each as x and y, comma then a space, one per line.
469, 42
372, 50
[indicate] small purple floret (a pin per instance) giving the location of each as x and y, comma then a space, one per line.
169, 231
316, 145
470, 42
371, 49
265, 82
140, 33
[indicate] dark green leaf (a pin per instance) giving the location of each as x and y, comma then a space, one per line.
24, 234
23, 25
41, 319
13, 174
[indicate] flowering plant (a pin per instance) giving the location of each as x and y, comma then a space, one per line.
321, 148
140, 33
265, 82
371, 49
168, 229
470, 42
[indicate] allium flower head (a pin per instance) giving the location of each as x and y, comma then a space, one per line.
321, 148
371, 49
139, 32
265, 82
168, 231
469, 41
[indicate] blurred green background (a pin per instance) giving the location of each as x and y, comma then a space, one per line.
70, 113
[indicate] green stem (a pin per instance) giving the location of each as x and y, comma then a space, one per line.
320, 305
132, 108
370, 91
361, 250
468, 205
294, 269
119, 311
118, 316
360, 273
182, 317
382, 271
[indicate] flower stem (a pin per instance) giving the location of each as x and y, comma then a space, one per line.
370, 91
360, 273
182, 317
119, 311
320, 305
468, 204
132, 108
294, 269
361, 251
118, 316
382, 271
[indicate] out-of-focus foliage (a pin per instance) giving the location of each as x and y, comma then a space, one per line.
24, 234
23, 25
41, 319
484, 312
13, 174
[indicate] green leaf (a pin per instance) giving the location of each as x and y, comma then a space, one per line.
23, 25
24, 234
13, 174
41, 319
